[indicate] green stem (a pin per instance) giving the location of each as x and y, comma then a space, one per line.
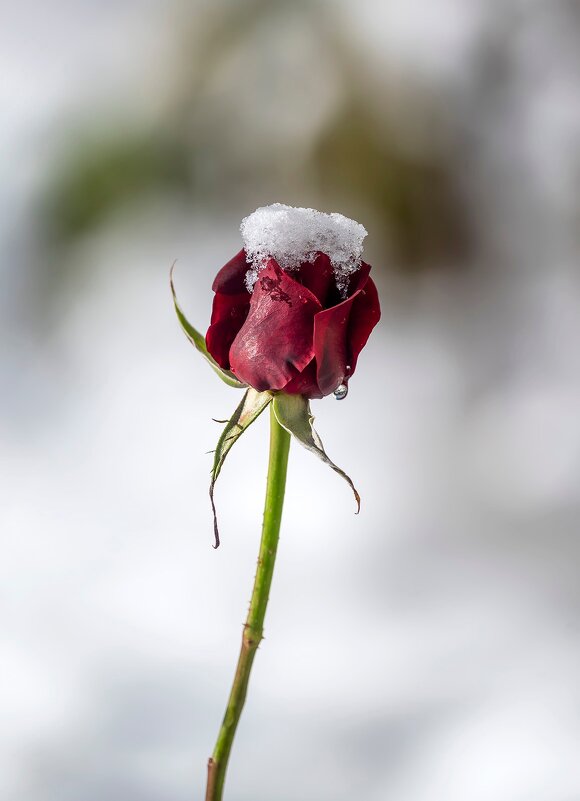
254, 626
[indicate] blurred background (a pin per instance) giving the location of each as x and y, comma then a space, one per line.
428, 649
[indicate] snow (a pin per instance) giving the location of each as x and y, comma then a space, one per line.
294, 235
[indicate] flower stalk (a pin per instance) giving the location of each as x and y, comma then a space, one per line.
291, 314
254, 626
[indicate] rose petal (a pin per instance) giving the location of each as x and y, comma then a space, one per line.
331, 328
304, 383
318, 276
364, 315
231, 278
276, 339
227, 317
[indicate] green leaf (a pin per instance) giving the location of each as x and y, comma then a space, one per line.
293, 413
198, 341
251, 406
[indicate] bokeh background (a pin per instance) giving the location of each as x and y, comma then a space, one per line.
427, 649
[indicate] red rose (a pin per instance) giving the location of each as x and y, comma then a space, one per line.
294, 332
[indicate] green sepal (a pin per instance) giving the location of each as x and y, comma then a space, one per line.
293, 413
198, 341
250, 407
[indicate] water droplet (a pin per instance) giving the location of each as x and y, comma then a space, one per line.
341, 392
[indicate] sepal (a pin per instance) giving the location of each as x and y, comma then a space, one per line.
198, 341
250, 407
293, 413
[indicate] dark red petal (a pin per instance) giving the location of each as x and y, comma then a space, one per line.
230, 279
331, 328
318, 276
227, 317
304, 383
358, 279
364, 315
354, 283
276, 338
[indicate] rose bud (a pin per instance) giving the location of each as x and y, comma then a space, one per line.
295, 307
292, 311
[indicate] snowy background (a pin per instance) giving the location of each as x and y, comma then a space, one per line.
428, 649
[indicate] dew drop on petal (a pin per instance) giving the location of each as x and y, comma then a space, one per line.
341, 391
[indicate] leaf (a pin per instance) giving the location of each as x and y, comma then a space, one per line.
198, 341
251, 406
293, 413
